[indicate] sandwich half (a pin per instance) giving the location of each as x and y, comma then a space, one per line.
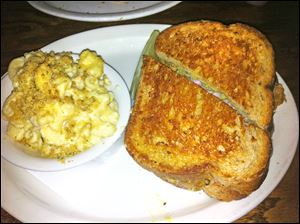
192, 139
236, 60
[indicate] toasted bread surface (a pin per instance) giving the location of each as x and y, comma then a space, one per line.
193, 140
235, 60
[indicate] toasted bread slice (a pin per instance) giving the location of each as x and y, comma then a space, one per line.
236, 61
192, 139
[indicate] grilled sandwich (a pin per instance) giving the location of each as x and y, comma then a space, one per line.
192, 139
236, 61
204, 96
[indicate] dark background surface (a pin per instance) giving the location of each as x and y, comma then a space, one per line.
24, 29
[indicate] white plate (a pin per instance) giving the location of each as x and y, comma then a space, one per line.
102, 11
20, 158
113, 188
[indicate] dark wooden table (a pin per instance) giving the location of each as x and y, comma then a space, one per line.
24, 28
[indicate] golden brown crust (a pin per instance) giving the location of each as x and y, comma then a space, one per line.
229, 191
191, 139
236, 60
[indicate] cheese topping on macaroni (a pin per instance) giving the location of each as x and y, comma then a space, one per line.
59, 107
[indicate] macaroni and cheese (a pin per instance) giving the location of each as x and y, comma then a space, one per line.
59, 107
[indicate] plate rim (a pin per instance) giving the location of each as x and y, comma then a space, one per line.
107, 17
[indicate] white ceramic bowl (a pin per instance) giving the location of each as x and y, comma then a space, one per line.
21, 159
